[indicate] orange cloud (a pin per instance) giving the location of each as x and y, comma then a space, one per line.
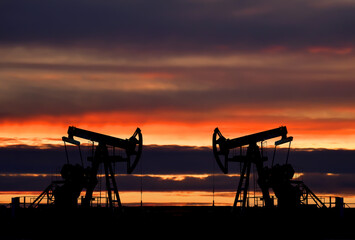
332, 50
156, 75
159, 128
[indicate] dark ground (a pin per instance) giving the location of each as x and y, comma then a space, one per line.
177, 223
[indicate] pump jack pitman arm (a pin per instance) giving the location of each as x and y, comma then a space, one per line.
132, 146
221, 146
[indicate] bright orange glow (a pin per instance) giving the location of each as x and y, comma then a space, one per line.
307, 133
5, 196
176, 198
173, 198
176, 177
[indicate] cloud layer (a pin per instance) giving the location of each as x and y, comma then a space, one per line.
185, 66
179, 25
176, 168
172, 160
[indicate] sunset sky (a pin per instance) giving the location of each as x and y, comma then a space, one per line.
178, 69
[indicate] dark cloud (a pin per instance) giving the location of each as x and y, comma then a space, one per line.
24, 183
154, 160
125, 36
338, 184
323, 160
324, 171
126, 183
24, 159
173, 160
179, 26
36, 100
320, 183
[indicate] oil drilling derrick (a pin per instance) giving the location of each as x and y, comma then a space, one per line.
65, 193
289, 193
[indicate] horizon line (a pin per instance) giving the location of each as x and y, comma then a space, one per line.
196, 147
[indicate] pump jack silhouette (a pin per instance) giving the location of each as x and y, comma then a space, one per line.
64, 194
290, 193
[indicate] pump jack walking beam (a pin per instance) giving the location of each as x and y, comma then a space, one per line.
222, 146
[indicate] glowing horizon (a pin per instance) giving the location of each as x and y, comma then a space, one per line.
42, 132
171, 198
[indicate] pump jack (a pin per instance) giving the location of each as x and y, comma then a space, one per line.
65, 193
289, 192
